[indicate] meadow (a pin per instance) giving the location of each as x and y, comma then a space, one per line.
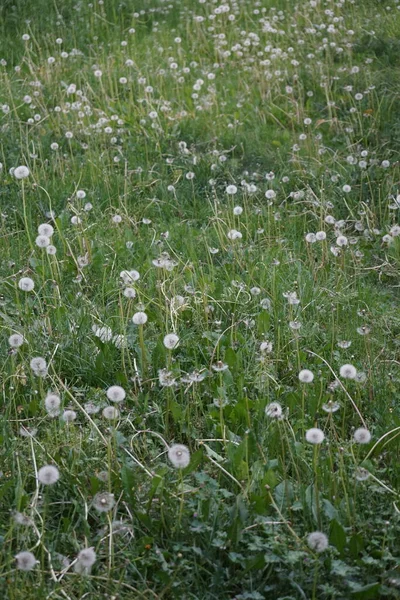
199, 299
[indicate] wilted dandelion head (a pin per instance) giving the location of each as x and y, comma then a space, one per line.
266, 347
348, 372
48, 475
220, 402
306, 376
116, 393
91, 408
26, 561
219, 366
104, 501
273, 410
166, 378
16, 340
331, 406
344, 344
26, 284
315, 435
265, 303
361, 474
179, 456
362, 436
317, 541
171, 341
21, 172
139, 318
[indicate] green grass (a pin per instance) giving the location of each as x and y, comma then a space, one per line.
234, 523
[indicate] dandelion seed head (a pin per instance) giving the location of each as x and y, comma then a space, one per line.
52, 404
362, 436
139, 318
21, 172
110, 412
16, 340
317, 541
26, 561
87, 557
348, 372
116, 393
315, 435
48, 475
26, 284
45, 229
69, 416
171, 341
274, 410
104, 501
306, 376
179, 456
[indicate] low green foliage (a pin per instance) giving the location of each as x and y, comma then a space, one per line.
228, 174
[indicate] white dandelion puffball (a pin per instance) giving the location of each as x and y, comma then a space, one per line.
38, 363
104, 501
86, 557
362, 436
317, 541
26, 284
342, 241
42, 241
346, 188
116, 393
273, 410
48, 475
348, 372
16, 340
231, 190
46, 229
311, 238
238, 210
139, 318
26, 561
179, 456
111, 413
171, 341
129, 276
233, 234
315, 435
69, 416
320, 235
306, 376
129, 292
21, 172
52, 404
